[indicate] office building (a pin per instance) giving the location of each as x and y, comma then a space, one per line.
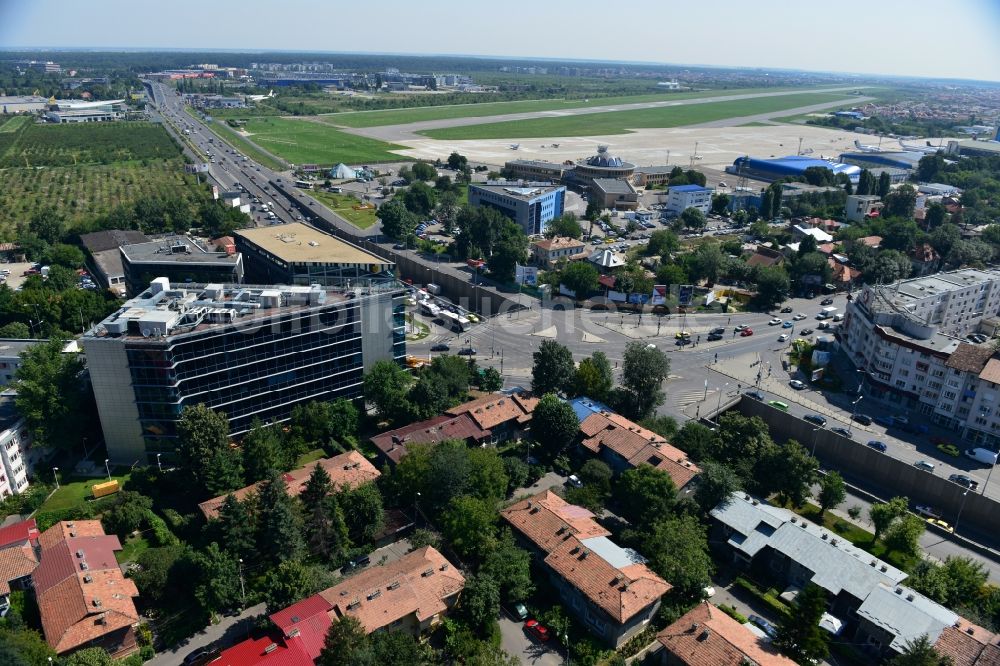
15, 441
682, 197
535, 170
179, 259
531, 205
299, 254
248, 351
650, 176
616, 193
105, 259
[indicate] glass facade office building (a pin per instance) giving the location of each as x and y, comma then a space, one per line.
268, 351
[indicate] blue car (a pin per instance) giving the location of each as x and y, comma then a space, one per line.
787, 324
886, 421
767, 627
877, 445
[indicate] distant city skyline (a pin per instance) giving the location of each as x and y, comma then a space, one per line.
884, 37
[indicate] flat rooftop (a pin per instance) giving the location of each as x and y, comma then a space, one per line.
541, 164
907, 291
14, 346
518, 189
176, 250
614, 186
299, 243
166, 309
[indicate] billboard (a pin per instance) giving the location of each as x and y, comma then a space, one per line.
685, 294
526, 275
659, 294
201, 167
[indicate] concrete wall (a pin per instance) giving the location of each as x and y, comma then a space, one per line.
878, 471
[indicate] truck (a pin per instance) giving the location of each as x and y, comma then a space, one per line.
980, 455
827, 312
433, 289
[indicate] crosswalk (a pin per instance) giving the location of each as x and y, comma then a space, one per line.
685, 398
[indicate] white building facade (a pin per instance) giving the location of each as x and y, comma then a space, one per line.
15, 441
682, 197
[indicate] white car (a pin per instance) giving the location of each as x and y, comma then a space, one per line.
574, 481
774, 322
783, 337
797, 385
799, 317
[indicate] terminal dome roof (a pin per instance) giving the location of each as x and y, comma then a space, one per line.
605, 159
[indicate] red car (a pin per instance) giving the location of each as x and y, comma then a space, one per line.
746, 332
538, 630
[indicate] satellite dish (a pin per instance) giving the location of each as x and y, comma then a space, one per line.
146, 332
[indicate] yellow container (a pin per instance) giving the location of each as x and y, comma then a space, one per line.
105, 489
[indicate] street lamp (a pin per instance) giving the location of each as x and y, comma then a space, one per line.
854, 412
243, 594
107, 467
158, 465
719, 407
55, 473
815, 438
959, 516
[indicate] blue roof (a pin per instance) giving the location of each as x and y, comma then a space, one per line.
794, 165
689, 188
584, 407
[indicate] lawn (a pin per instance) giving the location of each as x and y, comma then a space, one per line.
343, 205
132, 548
310, 457
309, 142
75, 493
859, 536
422, 113
622, 122
238, 141
14, 123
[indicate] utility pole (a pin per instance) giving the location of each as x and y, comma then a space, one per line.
243, 592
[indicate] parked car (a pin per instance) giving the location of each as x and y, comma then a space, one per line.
682, 334
797, 384
202, 656
984, 456
815, 418
785, 310
926, 466
843, 432
765, 626
712, 337
963, 480
440, 348
806, 331
777, 404
746, 332
940, 524
574, 481
822, 326
718, 330
774, 322
886, 421
927, 511
863, 419
538, 630
756, 395
799, 317
783, 337
877, 445
826, 301
518, 611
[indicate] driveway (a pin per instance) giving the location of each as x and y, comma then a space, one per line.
229, 631
516, 643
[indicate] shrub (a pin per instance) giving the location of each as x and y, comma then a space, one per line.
733, 613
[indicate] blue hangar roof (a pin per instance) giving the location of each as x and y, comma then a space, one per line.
689, 188
794, 165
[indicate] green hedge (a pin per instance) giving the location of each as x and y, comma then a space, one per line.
769, 598
733, 613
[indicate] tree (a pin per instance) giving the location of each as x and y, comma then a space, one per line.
363, 512
48, 225
553, 425
553, 368
580, 277
593, 377
773, 286
882, 515
127, 514
697, 439
644, 369
661, 242
799, 633
236, 527
50, 394
832, 491
279, 536
715, 484
693, 218
565, 225
419, 199
399, 647
644, 494
386, 386
204, 449
15, 329
935, 216
793, 471
469, 525
218, 588
677, 548
262, 452
705, 262
671, 274
920, 651
490, 380
285, 584
397, 221
95, 656
518, 473
346, 644
446, 210
866, 182
480, 601
899, 233
884, 184
153, 575
509, 249
944, 237
423, 171
720, 203
68, 256
953, 583
903, 535
901, 202
510, 566
457, 161
24, 647
889, 266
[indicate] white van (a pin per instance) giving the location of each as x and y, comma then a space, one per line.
984, 456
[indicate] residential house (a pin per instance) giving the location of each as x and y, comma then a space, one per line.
549, 251
874, 242
859, 207
924, 259
799, 232
349, 469
83, 597
765, 256
842, 276
705, 636
491, 419
609, 588
623, 445
18, 559
969, 645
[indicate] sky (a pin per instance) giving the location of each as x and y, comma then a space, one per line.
927, 38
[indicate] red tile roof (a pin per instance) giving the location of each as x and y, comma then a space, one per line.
765, 256
491, 411
842, 272
345, 469
26, 530
705, 636
393, 443
636, 445
547, 520
266, 651
422, 583
969, 645
82, 593
871, 241
924, 253
16, 562
308, 621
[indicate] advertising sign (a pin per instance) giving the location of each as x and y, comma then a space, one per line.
526, 275
659, 294
685, 294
